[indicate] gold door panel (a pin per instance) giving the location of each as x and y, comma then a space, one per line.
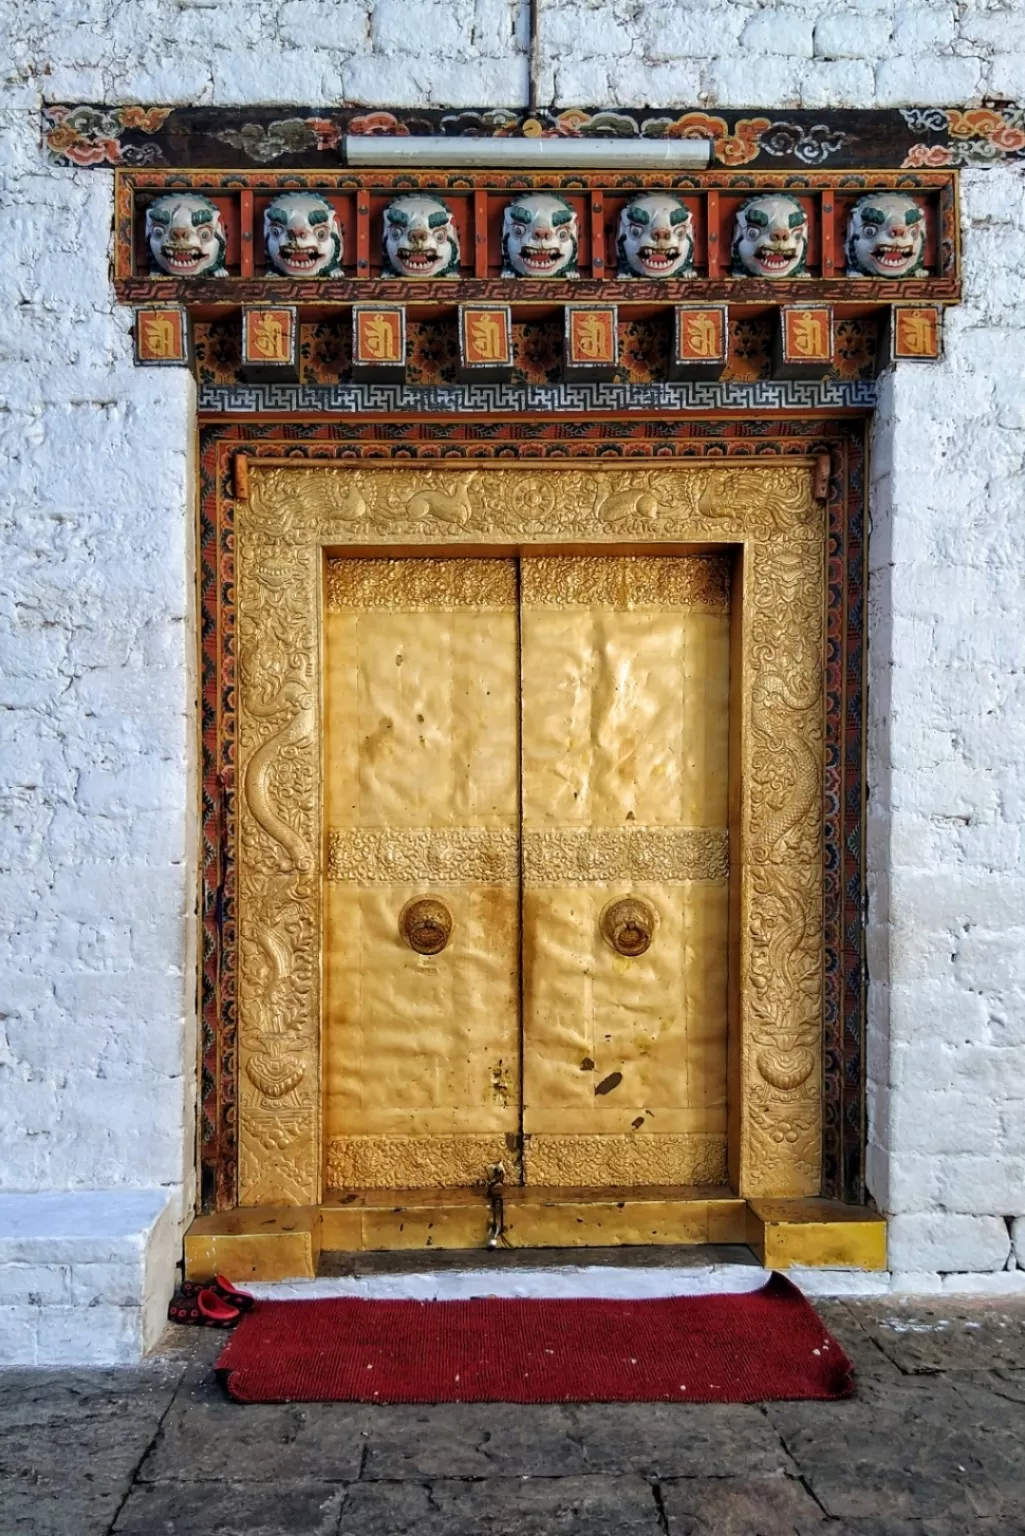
421, 768
625, 698
341, 820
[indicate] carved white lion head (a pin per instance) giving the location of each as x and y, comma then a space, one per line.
771, 237
302, 235
186, 236
656, 237
420, 239
539, 237
886, 236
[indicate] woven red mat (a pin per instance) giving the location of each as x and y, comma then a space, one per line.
696, 1349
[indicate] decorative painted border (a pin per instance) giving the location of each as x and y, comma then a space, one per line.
234, 138
536, 399
843, 782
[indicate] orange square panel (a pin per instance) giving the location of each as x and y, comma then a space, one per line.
701, 341
916, 332
591, 341
162, 336
270, 342
804, 342
379, 342
485, 341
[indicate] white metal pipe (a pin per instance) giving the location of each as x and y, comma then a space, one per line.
528, 154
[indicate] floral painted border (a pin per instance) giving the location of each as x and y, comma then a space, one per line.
978, 136
228, 138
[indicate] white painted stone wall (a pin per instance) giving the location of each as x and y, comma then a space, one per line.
947, 768
97, 685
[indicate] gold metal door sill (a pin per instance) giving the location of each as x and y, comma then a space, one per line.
285, 1242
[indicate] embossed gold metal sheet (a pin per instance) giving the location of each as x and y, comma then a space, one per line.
622, 1217
291, 515
420, 702
625, 677
421, 1063
816, 1233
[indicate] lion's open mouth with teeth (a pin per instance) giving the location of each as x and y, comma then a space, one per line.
658, 258
300, 258
184, 259
894, 255
541, 258
419, 258
775, 258
186, 236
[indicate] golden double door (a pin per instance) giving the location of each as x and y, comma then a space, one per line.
526, 907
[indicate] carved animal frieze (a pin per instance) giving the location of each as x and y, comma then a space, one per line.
186, 236
886, 236
540, 237
770, 237
420, 238
302, 236
656, 237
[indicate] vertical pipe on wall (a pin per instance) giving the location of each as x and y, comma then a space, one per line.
534, 62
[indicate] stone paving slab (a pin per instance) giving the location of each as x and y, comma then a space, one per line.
932, 1445
39, 1396
909, 1450
739, 1506
260, 1443
548, 1506
61, 1512
933, 1335
680, 1439
232, 1509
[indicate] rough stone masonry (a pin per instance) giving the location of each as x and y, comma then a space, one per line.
97, 676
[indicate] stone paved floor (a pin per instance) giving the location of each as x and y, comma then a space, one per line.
933, 1445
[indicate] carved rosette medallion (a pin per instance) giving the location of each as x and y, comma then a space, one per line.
776, 842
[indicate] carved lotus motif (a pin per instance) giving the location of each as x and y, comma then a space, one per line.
274, 1075
785, 1070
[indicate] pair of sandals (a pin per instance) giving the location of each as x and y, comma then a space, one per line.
218, 1304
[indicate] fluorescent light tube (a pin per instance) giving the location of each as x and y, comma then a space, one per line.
526, 154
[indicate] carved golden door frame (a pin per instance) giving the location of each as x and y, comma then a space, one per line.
295, 512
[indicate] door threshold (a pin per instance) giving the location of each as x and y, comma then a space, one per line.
531, 1218
286, 1242
695, 1257
596, 1273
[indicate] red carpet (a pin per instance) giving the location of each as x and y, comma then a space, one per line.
694, 1349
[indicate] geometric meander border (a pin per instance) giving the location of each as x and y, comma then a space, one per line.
435, 399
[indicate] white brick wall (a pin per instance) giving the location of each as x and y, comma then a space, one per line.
96, 676
947, 744
742, 53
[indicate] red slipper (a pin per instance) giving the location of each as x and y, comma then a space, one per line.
215, 1312
202, 1307
183, 1308
223, 1288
